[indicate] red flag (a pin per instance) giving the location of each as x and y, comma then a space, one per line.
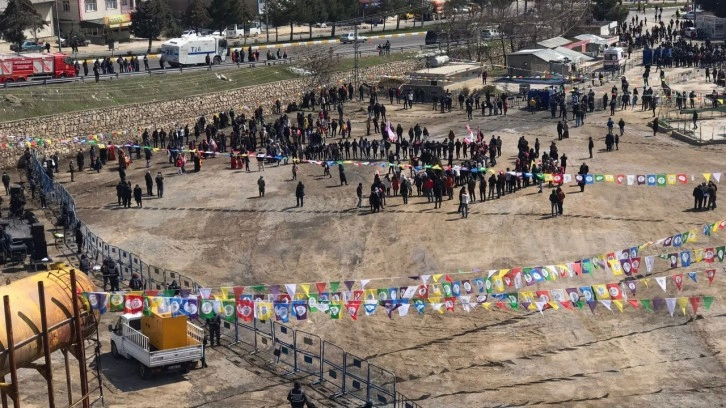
567, 304
634, 265
509, 279
694, 303
543, 295
711, 274
634, 303
352, 306
133, 304
245, 310
557, 178
678, 280
709, 255
423, 292
577, 267
449, 302
448, 278
614, 290
500, 305
320, 286
682, 178
620, 178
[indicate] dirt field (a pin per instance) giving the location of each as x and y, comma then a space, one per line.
213, 227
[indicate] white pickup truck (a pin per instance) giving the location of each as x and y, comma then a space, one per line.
351, 38
127, 341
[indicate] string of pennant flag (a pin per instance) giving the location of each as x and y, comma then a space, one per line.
626, 262
438, 298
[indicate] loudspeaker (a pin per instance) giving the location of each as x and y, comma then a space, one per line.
40, 248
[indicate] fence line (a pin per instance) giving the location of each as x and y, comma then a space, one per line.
295, 351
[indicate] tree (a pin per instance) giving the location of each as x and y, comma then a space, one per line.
150, 19
196, 16
277, 16
717, 7
340, 10
19, 15
227, 12
609, 10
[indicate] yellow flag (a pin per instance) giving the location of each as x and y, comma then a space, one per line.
437, 276
225, 292
502, 272
609, 178
698, 255
263, 310
682, 303
671, 179
532, 306
707, 176
306, 288
645, 281
692, 236
601, 291
486, 305
498, 283
548, 177
619, 305
554, 304
371, 294
616, 267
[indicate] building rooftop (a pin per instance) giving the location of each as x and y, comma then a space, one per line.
554, 42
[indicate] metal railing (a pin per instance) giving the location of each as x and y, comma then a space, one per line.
295, 351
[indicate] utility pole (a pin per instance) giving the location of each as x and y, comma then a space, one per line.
355, 55
57, 26
267, 20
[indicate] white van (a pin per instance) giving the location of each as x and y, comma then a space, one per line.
239, 30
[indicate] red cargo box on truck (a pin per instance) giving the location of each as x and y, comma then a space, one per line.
25, 67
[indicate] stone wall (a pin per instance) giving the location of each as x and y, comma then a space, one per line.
64, 127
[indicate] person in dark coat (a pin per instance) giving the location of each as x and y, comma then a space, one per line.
120, 191
297, 397
137, 196
159, 185
341, 172
300, 193
149, 183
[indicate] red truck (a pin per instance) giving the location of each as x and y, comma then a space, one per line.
24, 67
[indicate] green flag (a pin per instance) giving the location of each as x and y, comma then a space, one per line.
207, 309
147, 306
258, 288
707, 301
117, 302
580, 304
660, 180
647, 304
599, 178
229, 310
335, 308
334, 286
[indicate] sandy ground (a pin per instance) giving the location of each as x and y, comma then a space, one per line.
213, 227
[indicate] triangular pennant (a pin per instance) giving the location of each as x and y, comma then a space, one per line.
649, 261
647, 304
658, 303
678, 280
540, 305
692, 275
349, 284
717, 177
671, 304
607, 303
592, 304
710, 274
364, 282
403, 309
567, 304
306, 288
682, 303
661, 282
321, 286
437, 276
334, 286
634, 303
694, 303
619, 304
707, 301
291, 288
707, 176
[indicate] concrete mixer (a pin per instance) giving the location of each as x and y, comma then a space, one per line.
25, 306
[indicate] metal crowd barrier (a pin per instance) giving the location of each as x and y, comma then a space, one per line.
294, 350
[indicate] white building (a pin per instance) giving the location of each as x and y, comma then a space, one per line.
96, 20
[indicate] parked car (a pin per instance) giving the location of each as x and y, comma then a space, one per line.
689, 16
350, 38
79, 42
321, 25
28, 46
488, 34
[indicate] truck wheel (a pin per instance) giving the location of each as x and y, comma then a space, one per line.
114, 351
217, 60
144, 372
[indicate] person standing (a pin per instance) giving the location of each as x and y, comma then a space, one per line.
621, 125
71, 169
294, 171
711, 196
149, 183
695, 118
590, 145
405, 189
553, 203
297, 397
341, 172
560, 200
137, 196
214, 324
261, 186
159, 185
6, 183
359, 194
464, 197
120, 191
655, 126
79, 238
300, 194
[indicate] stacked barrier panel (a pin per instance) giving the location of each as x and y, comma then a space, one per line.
309, 349
334, 366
